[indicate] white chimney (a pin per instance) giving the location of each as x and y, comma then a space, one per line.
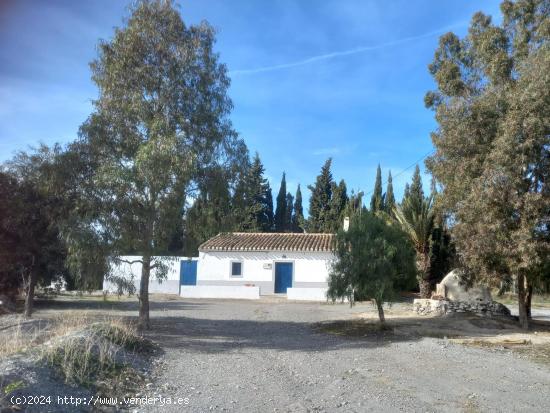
346, 224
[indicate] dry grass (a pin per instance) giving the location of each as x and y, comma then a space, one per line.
539, 300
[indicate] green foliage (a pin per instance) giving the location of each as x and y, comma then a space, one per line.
389, 198
491, 105
319, 202
377, 199
372, 258
211, 212
298, 220
33, 250
160, 121
289, 212
254, 199
416, 218
328, 202
338, 204
13, 386
281, 211
416, 191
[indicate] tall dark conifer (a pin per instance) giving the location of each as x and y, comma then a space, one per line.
298, 212
377, 199
337, 207
416, 191
319, 202
280, 212
390, 197
258, 199
288, 214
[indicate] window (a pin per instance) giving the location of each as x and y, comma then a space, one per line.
236, 269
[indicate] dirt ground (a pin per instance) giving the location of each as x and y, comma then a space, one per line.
274, 355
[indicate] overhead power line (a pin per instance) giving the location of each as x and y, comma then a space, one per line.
403, 170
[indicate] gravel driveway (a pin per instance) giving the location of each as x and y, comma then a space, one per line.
266, 356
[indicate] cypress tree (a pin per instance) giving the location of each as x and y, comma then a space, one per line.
319, 202
406, 192
377, 199
337, 207
416, 191
268, 205
390, 197
258, 202
298, 212
280, 212
288, 215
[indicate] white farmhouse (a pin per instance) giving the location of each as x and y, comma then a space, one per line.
247, 265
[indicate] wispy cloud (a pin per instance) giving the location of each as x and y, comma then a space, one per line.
343, 53
327, 151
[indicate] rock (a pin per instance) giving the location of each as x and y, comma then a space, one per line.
452, 289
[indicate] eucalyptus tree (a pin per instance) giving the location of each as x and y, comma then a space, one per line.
161, 118
492, 144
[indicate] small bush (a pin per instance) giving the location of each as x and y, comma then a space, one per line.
96, 352
82, 359
123, 335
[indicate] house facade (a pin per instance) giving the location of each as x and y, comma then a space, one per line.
243, 266
247, 265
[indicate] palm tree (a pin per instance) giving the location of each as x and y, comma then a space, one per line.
416, 217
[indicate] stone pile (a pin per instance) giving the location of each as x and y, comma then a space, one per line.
443, 306
451, 296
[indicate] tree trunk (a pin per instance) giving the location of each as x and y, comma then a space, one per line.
144, 294
425, 288
380, 311
423, 266
522, 302
29, 296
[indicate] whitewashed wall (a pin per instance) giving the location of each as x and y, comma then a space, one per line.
169, 285
311, 269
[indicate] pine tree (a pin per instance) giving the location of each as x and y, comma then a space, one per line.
288, 215
319, 202
377, 199
390, 197
298, 212
280, 212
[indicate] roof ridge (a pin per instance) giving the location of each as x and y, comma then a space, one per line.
269, 241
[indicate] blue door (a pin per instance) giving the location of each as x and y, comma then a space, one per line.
188, 273
283, 276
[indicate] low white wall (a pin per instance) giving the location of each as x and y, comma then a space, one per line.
216, 291
307, 294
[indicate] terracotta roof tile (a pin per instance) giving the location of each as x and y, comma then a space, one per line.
269, 241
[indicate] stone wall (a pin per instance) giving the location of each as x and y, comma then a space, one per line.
441, 307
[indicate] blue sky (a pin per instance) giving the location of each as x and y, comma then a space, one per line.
310, 79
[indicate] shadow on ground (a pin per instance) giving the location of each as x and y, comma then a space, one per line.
86, 303
218, 336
